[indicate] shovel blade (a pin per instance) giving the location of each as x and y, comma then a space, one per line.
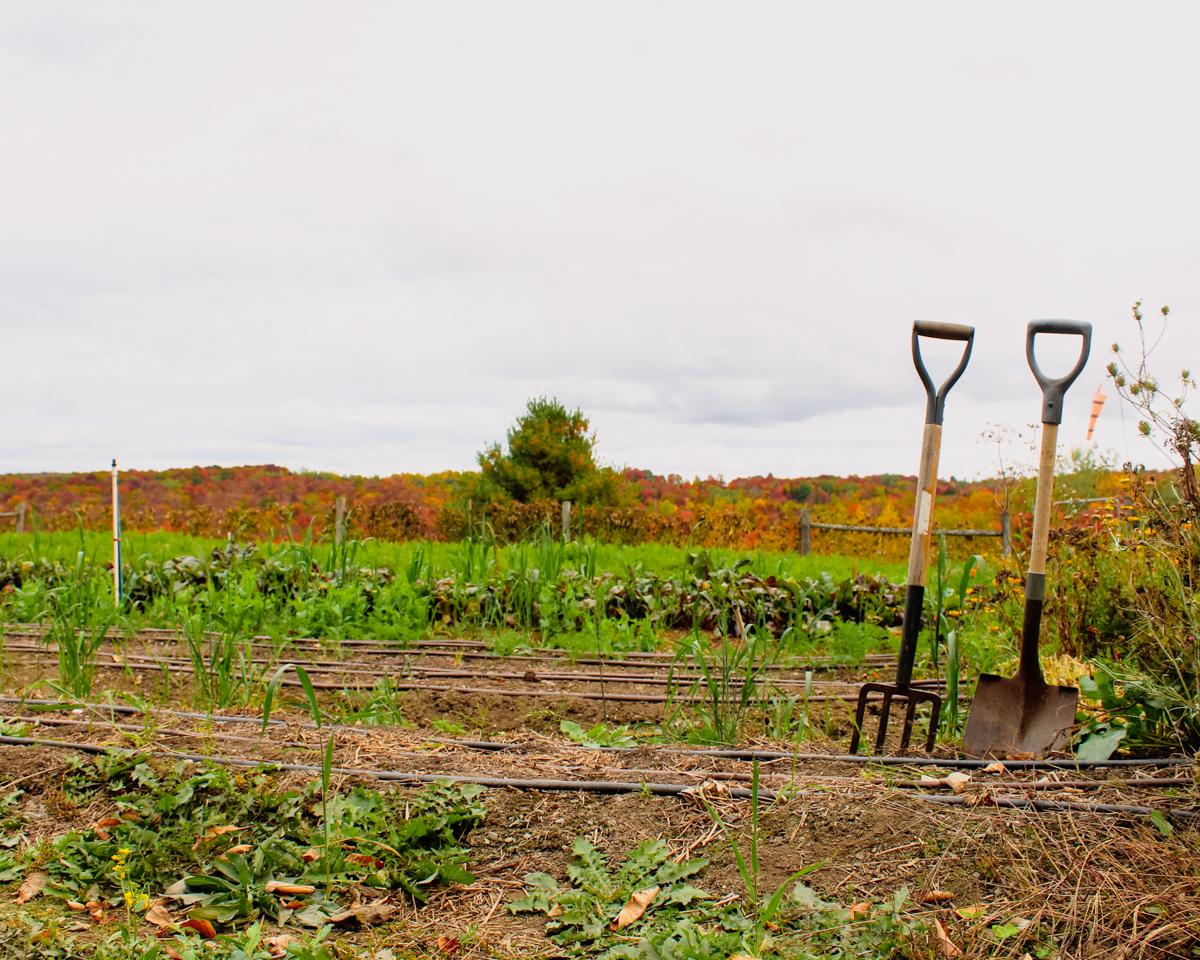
1011, 716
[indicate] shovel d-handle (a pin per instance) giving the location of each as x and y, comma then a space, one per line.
1055, 388
935, 406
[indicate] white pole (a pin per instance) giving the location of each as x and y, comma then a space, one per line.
116, 514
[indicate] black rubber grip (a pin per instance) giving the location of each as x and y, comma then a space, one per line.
943, 331
935, 407
1054, 389
914, 604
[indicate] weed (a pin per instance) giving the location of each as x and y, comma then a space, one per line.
600, 735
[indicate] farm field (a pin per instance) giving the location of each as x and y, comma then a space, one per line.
545, 749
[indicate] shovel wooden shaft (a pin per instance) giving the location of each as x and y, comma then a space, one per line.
1030, 666
1045, 495
918, 552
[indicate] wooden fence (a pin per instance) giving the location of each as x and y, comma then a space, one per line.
19, 514
807, 525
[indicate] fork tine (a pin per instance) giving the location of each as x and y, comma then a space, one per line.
885, 708
910, 714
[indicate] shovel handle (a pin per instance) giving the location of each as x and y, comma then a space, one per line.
935, 406
1055, 388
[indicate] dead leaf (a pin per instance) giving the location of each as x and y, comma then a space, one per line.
76, 906
276, 886
957, 781
213, 832
945, 946
95, 910
201, 926
240, 848
448, 944
278, 945
173, 953
364, 860
996, 767
311, 854
936, 896
633, 910
34, 884
101, 827
373, 913
158, 915
555, 911
366, 915
860, 910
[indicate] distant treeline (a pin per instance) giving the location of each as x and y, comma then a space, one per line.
263, 502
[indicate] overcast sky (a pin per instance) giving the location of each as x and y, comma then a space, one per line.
358, 236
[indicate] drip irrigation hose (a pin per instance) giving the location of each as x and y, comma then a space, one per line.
593, 786
432, 650
631, 657
727, 753
580, 786
357, 668
602, 695
1054, 806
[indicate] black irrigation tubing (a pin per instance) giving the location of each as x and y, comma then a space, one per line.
601, 694
725, 753
597, 786
658, 662
354, 668
579, 786
164, 634
1132, 783
1052, 806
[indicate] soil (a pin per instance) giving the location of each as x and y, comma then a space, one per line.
1106, 884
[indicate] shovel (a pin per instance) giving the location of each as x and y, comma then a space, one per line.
1025, 715
918, 554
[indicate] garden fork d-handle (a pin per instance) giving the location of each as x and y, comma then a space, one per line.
935, 406
1053, 392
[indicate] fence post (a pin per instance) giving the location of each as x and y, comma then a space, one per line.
1005, 533
339, 522
21, 517
805, 532
116, 529
566, 521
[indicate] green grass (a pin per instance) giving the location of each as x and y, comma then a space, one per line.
446, 557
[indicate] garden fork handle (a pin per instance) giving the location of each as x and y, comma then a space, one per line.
922, 525
918, 552
935, 406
